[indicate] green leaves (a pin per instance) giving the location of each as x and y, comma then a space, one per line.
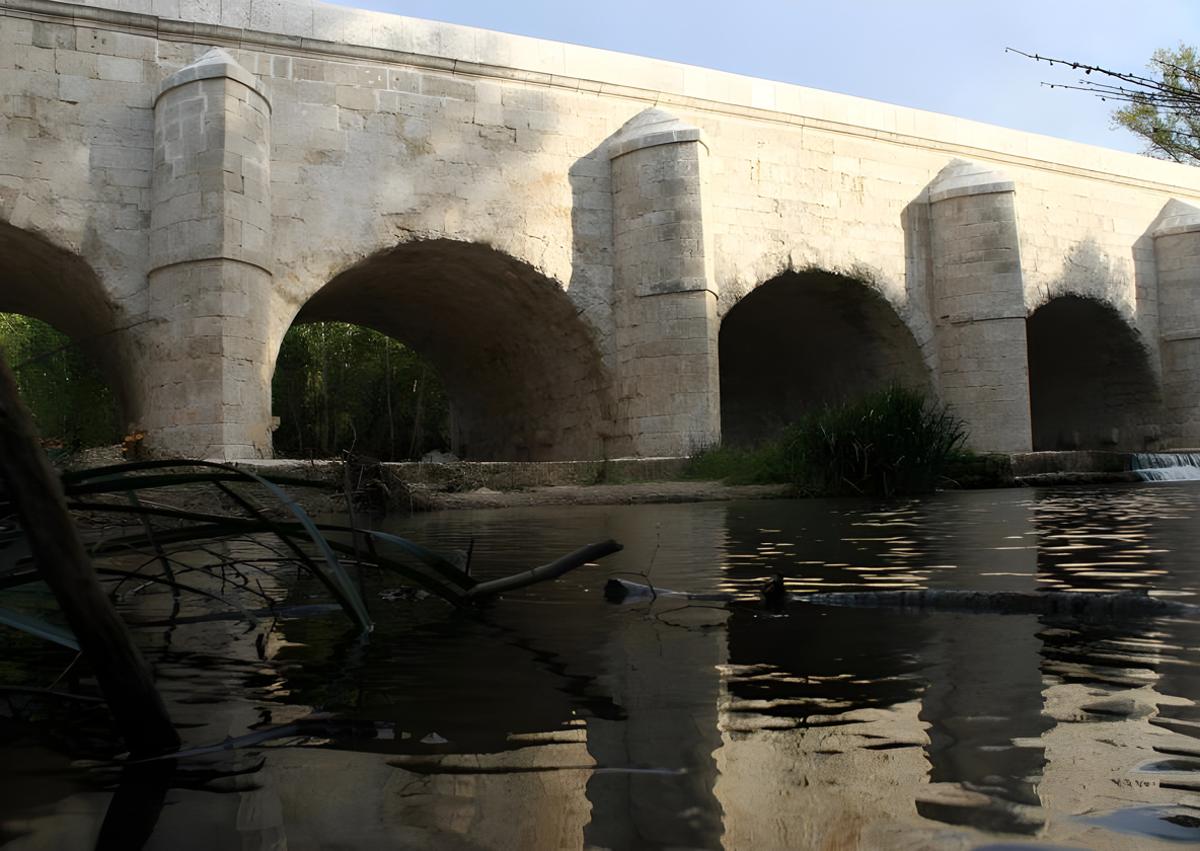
1162, 107
59, 383
1166, 111
893, 442
340, 386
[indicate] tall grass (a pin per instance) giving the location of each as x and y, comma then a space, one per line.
739, 465
892, 442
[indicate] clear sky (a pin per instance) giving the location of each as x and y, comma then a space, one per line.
941, 55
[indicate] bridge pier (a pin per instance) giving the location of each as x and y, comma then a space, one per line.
668, 381
979, 305
1177, 258
206, 371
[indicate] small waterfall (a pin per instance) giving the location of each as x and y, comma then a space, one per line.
1167, 466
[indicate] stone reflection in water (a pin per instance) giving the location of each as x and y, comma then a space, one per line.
1111, 541
820, 739
983, 706
663, 671
1114, 690
984, 712
1100, 691
821, 746
1117, 690
555, 720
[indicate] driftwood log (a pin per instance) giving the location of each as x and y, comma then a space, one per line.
1078, 604
553, 570
33, 487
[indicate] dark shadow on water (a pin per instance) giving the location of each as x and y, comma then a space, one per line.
473, 681
135, 807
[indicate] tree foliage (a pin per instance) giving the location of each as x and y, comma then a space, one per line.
1163, 106
343, 387
66, 393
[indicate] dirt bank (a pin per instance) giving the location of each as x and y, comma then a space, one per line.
626, 494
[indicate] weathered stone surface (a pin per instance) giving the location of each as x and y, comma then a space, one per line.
1177, 256
565, 255
978, 305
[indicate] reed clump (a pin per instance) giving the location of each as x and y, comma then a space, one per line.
892, 442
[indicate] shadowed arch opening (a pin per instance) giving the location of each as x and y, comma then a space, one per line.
69, 357
803, 339
1091, 382
521, 370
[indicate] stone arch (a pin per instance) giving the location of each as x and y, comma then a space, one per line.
803, 339
1092, 383
56, 286
521, 368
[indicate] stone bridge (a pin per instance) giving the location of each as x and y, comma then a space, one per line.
602, 255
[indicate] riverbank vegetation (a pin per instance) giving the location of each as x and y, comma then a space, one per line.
344, 387
337, 387
71, 403
893, 442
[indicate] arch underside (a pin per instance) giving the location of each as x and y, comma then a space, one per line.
521, 369
45, 282
1091, 382
804, 339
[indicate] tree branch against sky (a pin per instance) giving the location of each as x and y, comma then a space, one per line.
1162, 107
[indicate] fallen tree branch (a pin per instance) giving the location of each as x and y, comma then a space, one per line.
33, 488
553, 570
1079, 604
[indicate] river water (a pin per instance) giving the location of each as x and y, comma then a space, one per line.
558, 720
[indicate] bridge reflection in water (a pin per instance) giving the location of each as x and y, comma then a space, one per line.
556, 720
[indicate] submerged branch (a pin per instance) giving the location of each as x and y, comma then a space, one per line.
33, 488
553, 570
1079, 604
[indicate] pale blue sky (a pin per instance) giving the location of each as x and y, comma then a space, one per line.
931, 54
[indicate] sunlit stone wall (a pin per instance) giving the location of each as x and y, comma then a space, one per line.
385, 131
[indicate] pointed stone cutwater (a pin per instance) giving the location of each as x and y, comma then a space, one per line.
652, 127
1176, 218
979, 304
963, 177
211, 263
215, 63
666, 292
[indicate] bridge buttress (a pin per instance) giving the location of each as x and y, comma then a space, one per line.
668, 381
205, 374
979, 305
1177, 260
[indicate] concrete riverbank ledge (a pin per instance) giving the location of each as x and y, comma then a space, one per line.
464, 484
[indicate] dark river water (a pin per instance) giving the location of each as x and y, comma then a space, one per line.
558, 720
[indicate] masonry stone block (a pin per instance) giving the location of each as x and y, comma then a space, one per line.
978, 305
210, 277
668, 381
1177, 253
